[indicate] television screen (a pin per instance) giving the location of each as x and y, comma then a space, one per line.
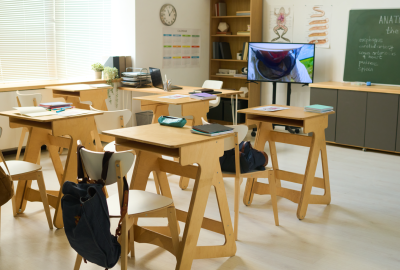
281, 62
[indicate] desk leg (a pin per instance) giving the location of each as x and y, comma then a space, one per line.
318, 144
198, 110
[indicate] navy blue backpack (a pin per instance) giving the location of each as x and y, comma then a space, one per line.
86, 217
250, 159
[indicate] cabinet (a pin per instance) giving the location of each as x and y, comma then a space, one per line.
381, 121
326, 97
351, 113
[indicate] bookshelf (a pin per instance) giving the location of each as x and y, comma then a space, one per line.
236, 23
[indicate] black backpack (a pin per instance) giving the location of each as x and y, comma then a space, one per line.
250, 159
86, 217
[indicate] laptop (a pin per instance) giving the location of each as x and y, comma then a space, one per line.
156, 78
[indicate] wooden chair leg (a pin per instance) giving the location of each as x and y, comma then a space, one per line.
43, 195
13, 202
38, 159
173, 227
236, 208
21, 142
157, 183
124, 244
272, 187
78, 262
60, 150
183, 182
132, 240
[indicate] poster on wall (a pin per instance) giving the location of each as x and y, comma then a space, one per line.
281, 24
181, 47
319, 21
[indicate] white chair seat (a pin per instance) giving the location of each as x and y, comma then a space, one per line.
139, 202
20, 167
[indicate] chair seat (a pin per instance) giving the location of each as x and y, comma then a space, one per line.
17, 167
248, 174
139, 202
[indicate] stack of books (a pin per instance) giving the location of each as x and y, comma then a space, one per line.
222, 50
55, 105
243, 13
243, 33
203, 96
211, 130
245, 52
316, 108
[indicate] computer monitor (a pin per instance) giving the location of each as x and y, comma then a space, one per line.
281, 62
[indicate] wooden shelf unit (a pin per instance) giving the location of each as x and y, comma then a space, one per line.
236, 23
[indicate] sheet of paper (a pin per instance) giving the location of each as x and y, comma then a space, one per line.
72, 112
281, 24
318, 25
270, 109
181, 47
175, 96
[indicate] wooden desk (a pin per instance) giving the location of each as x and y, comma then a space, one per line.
82, 92
47, 130
192, 107
310, 122
150, 142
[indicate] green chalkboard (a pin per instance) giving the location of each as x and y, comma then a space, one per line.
373, 46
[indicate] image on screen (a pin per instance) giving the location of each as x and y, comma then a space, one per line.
281, 62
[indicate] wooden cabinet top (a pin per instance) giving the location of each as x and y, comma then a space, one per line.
347, 86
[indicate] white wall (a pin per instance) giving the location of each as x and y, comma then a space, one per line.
329, 63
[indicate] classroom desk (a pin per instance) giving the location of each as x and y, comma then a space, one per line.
82, 92
192, 107
48, 130
150, 142
315, 123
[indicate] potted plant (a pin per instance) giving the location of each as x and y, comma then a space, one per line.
111, 73
98, 69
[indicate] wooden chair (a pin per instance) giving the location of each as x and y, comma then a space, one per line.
233, 142
26, 100
212, 84
141, 203
110, 120
22, 170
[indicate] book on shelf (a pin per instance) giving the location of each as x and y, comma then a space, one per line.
243, 13
203, 96
225, 49
220, 9
216, 51
243, 33
223, 33
245, 52
240, 75
223, 74
316, 108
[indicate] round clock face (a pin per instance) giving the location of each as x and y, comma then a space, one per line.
168, 14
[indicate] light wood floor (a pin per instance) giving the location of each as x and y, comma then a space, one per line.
359, 230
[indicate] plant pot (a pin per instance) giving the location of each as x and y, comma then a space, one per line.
98, 74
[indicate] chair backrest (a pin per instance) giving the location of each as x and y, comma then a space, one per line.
92, 161
212, 84
111, 119
229, 143
27, 100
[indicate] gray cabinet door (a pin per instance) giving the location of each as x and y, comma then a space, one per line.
381, 122
326, 97
350, 119
398, 131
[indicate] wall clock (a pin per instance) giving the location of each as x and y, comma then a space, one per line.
168, 14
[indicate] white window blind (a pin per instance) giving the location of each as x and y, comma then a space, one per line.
27, 50
52, 39
83, 35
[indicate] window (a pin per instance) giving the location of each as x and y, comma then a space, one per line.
52, 39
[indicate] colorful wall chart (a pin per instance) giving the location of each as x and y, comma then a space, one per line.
181, 47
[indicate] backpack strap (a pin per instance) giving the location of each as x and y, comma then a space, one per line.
4, 161
81, 174
106, 160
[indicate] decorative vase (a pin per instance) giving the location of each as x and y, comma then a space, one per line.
245, 91
97, 74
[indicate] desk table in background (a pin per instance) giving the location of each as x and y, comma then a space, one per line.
315, 123
48, 130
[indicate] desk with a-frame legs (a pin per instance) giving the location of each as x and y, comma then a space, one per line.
48, 130
150, 142
315, 123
